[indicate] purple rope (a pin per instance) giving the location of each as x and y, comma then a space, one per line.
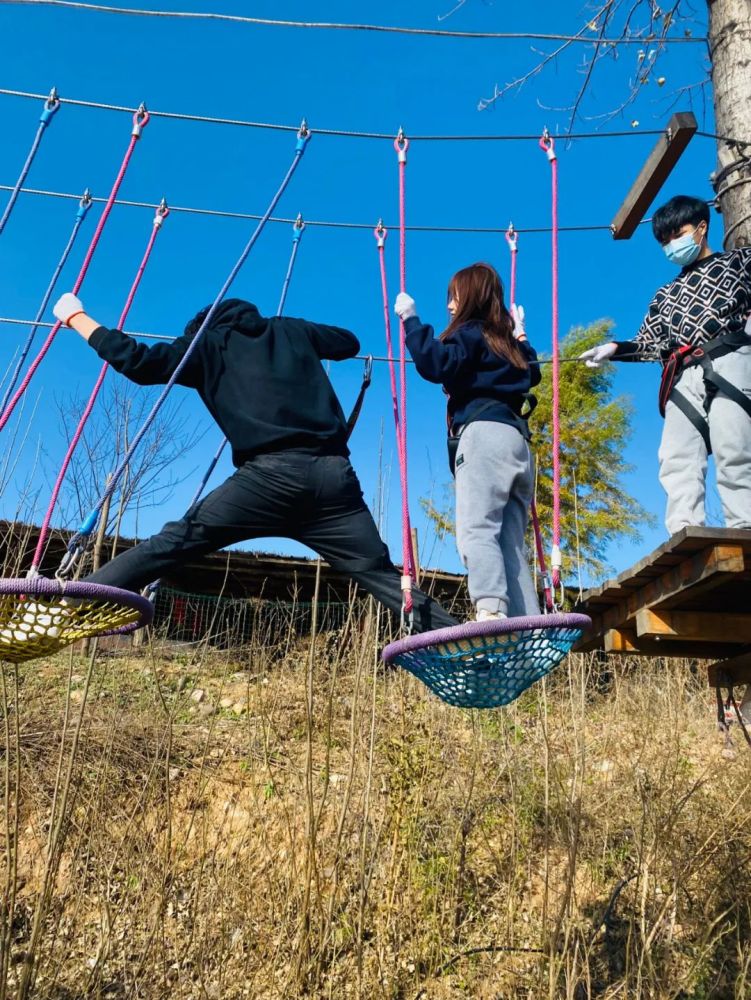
83, 208
88, 525
41, 586
470, 630
50, 107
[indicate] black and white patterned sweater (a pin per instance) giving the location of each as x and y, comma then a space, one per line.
708, 299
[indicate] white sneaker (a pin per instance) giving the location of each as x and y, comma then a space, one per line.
483, 615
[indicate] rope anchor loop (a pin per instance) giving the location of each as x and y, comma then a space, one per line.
367, 375
84, 204
303, 135
298, 227
547, 144
51, 105
162, 211
401, 145
512, 238
141, 119
380, 232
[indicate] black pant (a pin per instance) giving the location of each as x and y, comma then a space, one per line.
314, 499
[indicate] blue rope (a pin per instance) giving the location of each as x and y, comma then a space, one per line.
83, 207
297, 231
50, 107
88, 525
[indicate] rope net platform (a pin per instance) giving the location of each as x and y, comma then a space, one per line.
488, 664
38, 616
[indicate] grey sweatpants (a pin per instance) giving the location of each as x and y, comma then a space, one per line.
494, 487
683, 454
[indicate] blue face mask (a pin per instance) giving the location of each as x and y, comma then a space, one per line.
683, 251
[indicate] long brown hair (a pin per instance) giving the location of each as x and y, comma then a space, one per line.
478, 290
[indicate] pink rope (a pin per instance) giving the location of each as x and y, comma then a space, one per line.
401, 145
512, 238
548, 147
380, 233
140, 120
161, 214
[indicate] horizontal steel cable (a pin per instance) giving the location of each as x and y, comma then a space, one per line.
354, 134
320, 223
14, 321
630, 39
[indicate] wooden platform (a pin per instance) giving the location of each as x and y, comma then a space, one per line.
690, 597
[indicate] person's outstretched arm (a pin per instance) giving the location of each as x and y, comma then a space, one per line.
649, 343
332, 343
137, 362
435, 360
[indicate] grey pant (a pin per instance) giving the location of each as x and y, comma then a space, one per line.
683, 454
494, 487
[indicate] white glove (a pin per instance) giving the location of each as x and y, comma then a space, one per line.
404, 307
595, 356
67, 306
517, 315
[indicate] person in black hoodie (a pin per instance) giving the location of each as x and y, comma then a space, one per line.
263, 383
486, 367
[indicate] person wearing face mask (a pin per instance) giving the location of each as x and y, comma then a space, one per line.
696, 326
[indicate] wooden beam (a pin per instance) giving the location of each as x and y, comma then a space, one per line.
700, 573
701, 625
738, 669
653, 174
627, 642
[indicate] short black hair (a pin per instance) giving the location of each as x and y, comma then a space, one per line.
677, 213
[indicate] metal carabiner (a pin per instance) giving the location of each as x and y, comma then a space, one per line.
547, 144
50, 107
401, 145
162, 211
84, 204
380, 232
303, 135
298, 227
141, 118
367, 375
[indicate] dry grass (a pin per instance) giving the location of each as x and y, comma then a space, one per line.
310, 826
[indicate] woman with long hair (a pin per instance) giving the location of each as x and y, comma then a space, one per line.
486, 367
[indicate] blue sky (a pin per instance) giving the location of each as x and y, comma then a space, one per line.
355, 81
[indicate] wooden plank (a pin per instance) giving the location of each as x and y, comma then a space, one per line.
699, 574
738, 668
627, 642
704, 626
686, 541
653, 174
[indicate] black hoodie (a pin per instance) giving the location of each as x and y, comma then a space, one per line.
261, 379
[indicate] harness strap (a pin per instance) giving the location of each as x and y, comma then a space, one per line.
730, 390
689, 357
367, 378
697, 419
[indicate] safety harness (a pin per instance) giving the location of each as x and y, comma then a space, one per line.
690, 356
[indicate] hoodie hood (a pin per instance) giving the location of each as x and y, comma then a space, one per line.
235, 314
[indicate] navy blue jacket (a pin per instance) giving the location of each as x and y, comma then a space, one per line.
470, 373
260, 379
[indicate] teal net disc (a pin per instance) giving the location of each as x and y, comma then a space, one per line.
488, 664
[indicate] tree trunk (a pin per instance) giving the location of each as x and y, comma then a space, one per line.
730, 53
